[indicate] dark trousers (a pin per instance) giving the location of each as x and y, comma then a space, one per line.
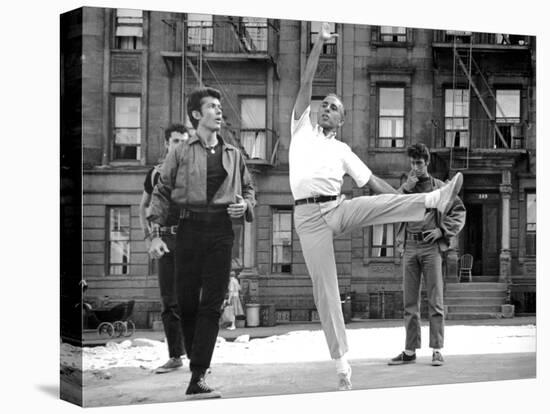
203, 263
419, 259
170, 312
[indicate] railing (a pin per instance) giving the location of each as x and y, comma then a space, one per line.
451, 36
480, 134
227, 37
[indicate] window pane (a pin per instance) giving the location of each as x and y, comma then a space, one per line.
382, 244
256, 32
393, 33
119, 239
531, 209
253, 113
127, 111
392, 101
199, 29
460, 106
282, 241
129, 13
508, 102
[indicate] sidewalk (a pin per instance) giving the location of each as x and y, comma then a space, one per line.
92, 339
503, 349
135, 386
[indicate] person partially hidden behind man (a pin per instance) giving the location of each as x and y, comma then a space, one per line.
423, 242
171, 323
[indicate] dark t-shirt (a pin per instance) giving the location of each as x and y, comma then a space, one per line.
215, 173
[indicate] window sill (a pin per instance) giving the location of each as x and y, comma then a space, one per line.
388, 149
378, 43
371, 260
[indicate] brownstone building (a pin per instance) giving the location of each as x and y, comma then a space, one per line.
469, 96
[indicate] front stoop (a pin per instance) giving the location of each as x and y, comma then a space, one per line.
474, 300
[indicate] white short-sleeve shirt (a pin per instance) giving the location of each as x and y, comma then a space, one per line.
317, 164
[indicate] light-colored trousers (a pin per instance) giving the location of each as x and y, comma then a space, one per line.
318, 224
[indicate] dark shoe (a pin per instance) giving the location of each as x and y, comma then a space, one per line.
437, 359
402, 358
171, 365
199, 389
448, 193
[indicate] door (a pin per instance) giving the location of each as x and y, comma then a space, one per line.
481, 234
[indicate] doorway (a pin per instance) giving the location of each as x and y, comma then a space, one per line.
481, 234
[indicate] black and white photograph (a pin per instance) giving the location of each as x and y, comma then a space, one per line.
266, 207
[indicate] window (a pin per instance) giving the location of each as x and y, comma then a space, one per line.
329, 48
457, 112
457, 36
200, 32
282, 241
127, 130
393, 34
237, 255
531, 233
254, 34
119, 240
253, 121
382, 243
391, 117
507, 117
129, 29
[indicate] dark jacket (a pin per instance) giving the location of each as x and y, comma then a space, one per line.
183, 181
450, 224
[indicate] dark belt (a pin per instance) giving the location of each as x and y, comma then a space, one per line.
217, 217
415, 236
168, 231
317, 199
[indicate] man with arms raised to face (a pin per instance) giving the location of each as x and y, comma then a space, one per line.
318, 161
423, 243
208, 178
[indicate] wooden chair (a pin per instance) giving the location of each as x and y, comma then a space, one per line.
466, 262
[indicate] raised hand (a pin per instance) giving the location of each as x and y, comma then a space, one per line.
325, 34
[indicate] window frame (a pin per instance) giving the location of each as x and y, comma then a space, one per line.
382, 245
449, 142
138, 41
108, 264
396, 139
507, 125
205, 29
257, 131
530, 233
289, 211
377, 41
113, 128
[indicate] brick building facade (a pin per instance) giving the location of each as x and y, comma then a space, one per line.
469, 96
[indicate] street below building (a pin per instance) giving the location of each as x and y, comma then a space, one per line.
294, 360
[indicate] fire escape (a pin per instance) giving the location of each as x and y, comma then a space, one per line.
201, 47
493, 135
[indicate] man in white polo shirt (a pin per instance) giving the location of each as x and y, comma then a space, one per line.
318, 162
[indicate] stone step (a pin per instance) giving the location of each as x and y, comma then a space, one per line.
460, 309
473, 301
480, 294
476, 286
484, 279
458, 316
